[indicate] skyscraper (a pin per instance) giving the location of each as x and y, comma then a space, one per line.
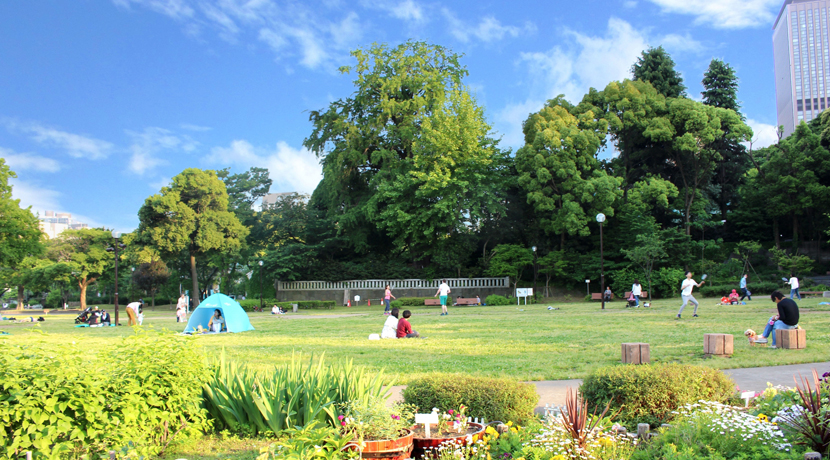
801, 50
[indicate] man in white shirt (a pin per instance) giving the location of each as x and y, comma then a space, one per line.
443, 291
686, 293
793, 282
636, 291
132, 313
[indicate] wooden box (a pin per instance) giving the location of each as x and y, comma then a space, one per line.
793, 339
717, 344
635, 353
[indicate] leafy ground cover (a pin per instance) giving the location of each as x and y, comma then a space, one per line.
525, 342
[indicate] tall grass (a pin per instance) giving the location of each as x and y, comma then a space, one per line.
293, 394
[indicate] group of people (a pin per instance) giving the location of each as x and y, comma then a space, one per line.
398, 328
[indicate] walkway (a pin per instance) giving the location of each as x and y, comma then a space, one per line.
552, 392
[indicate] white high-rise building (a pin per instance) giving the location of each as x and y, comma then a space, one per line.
53, 223
801, 51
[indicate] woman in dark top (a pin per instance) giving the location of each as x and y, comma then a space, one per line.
787, 317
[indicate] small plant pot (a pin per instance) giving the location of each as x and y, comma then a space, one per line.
475, 431
389, 449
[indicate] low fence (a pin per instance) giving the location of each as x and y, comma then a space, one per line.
374, 289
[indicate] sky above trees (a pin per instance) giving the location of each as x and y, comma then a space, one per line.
102, 102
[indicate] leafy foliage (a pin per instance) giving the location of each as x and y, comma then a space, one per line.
657, 67
649, 393
492, 399
138, 396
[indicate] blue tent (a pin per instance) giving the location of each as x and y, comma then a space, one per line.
236, 320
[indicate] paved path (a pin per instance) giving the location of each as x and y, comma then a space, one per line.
552, 392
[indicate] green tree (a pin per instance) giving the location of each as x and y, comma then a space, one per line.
20, 234
796, 264
649, 250
191, 216
720, 86
149, 276
656, 66
85, 252
558, 168
510, 260
408, 153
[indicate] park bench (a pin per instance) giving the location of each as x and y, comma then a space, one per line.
468, 301
432, 302
598, 296
821, 293
644, 295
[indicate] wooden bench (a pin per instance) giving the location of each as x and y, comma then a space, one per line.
598, 296
467, 301
806, 293
791, 339
644, 295
432, 302
717, 345
635, 353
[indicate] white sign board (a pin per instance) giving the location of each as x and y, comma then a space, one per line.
746, 396
357, 298
427, 419
524, 292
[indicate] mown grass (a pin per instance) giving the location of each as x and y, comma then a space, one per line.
525, 342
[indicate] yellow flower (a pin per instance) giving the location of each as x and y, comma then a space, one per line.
763, 418
509, 423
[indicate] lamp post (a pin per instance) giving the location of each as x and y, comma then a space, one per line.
535, 271
114, 249
601, 219
260, 285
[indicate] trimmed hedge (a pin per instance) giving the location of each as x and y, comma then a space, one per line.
491, 398
410, 301
649, 393
250, 304
494, 299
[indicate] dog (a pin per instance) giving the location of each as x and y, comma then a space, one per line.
753, 337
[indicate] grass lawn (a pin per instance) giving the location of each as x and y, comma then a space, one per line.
526, 342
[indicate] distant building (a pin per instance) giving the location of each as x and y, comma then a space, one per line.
54, 223
801, 52
270, 199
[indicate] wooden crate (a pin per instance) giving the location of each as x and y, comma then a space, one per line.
635, 353
792, 339
717, 344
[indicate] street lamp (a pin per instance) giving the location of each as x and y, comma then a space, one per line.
601, 219
535, 271
260, 285
114, 249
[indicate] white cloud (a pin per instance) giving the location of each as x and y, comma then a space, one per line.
583, 62
176, 9
291, 169
44, 199
162, 182
630, 4
192, 127
724, 14
148, 144
763, 134
489, 29
28, 161
76, 145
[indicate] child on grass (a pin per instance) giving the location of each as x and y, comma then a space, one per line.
404, 328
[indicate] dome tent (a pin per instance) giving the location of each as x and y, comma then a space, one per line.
236, 320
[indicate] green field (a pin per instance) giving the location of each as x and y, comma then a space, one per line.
526, 342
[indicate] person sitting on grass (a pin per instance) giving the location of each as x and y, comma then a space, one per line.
105, 318
404, 328
390, 327
734, 298
216, 322
724, 300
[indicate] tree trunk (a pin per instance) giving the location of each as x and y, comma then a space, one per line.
795, 233
776, 234
153, 293
562, 242
83, 285
689, 201
20, 291
194, 293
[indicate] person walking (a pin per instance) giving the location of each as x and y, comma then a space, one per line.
744, 290
686, 294
793, 282
443, 292
387, 299
636, 291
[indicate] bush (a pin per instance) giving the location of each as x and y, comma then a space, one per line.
140, 394
649, 393
396, 304
665, 282
764, 288
497, 300
491, 398
410, 301
251, 304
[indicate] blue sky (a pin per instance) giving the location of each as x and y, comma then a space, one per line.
103, 101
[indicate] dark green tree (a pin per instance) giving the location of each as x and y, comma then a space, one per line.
150, 276
657, 67
85, 251
720, 86
191, 216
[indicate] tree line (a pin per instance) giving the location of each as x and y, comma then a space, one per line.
416, 184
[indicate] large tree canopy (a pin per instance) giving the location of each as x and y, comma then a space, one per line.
409, 152
191, 216
85, 252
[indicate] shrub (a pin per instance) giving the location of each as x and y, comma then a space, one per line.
411, 301
140, 394
665, 282
296, 394
497, 300
396, 304
649, 393
764, 288
251, 304
491, 398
